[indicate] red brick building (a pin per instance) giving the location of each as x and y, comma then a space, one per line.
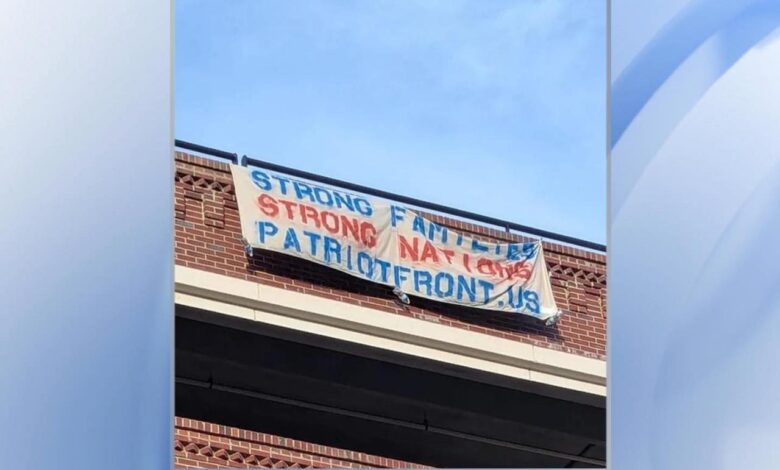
284, 363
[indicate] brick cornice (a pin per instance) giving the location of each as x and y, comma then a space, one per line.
198, 442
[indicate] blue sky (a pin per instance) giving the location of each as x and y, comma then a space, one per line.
497, 107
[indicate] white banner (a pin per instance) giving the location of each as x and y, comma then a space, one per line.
390, 244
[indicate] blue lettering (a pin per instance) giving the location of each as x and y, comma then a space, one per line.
365, 264
515, 303
266, 228
282, 183
532, 299
521, 251
343, 200
384, 266
418, 225
422, 278
436, 228
530, 250
313, 239
363, 206
261, 180
487, 289
396, 214
477, 246
449, 282
469, 286
334, 247
291, 240
325, 201
303, 189
399, 274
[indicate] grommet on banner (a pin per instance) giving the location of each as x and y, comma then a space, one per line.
401, 295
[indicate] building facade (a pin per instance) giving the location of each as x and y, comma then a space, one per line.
284, 363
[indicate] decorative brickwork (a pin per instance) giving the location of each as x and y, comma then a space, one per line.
208, 237
198, 444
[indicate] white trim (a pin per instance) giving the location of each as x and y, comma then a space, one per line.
376, 328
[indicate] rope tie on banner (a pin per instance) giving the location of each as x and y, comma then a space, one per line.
247, 247
401, 295
553, 320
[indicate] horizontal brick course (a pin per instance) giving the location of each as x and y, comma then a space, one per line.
208, 237
200, 444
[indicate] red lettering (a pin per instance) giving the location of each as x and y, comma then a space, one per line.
466, 263
289, 206
332, 227
368, 234
448, 253
268, 205
429, 251
407, 250
521, 270
308, 212
488, 267
361, 232
502, 271
485, 266
350, 226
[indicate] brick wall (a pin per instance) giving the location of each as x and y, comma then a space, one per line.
208, 237
198, 444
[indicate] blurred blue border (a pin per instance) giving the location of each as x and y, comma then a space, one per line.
694, 206
86, 282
